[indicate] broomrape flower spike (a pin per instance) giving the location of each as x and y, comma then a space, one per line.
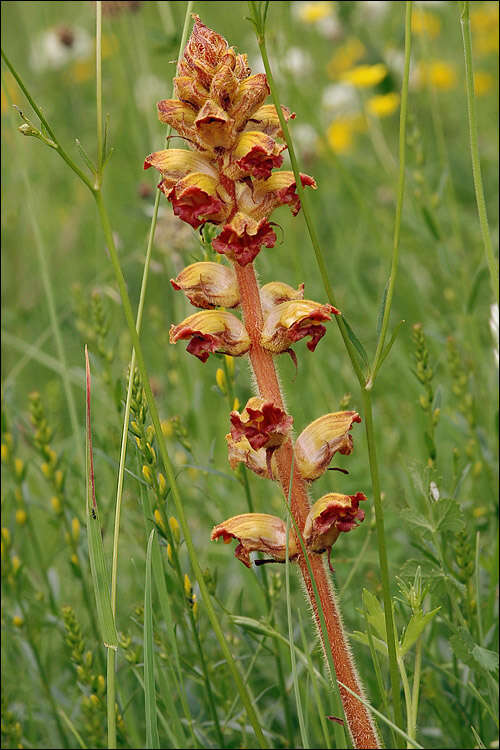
228, 177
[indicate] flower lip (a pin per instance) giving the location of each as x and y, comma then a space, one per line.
262, 423
243, 237
291, 321
194, 205
331, 514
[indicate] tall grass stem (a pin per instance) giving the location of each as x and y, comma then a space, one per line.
474, 148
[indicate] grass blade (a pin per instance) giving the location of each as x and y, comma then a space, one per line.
152, 737
98, 569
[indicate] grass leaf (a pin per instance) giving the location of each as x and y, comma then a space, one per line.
100, 576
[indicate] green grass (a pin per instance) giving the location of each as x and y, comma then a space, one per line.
53, 693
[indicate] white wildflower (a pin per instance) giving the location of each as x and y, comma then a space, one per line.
56, 47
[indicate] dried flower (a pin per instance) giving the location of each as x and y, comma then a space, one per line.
212, 331
208, 285
317, 444
256, 532
240, 451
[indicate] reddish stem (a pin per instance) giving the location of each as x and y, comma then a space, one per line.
360, 722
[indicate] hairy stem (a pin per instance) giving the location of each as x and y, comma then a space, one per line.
358, 717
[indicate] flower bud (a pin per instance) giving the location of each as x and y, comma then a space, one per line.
56, 504
159, 520
16, 564
262, 423
220, 379
18, 621
19, 469
6, 536
277, 292
188, 589
256, 532
317, 444
212, 331
75, 529
162, 485
329, 516
208, 285
147, 474
174, 528
291, 321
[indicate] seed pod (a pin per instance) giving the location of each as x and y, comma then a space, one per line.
317, 444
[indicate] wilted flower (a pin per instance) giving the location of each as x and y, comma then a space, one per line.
256, 532
277, 292
212, 331
240, 451
292, 321
328, 517
262, 423
208, 285
317, 444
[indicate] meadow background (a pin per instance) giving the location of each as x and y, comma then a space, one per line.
438, 468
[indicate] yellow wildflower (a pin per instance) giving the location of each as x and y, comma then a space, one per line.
383, 105
347, 55
440, 74
364, 76
483, 82
18, 621
21, 516
16, 563
56, 504
340, 133
314, 11
484, 18
423, 22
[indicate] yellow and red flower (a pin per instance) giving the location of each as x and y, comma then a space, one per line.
319, 441
256, 532
291, 321
208, 285
212, 331
262, 423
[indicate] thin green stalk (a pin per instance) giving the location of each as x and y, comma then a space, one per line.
478, 591
213, 708
400, 199
407, 692
260, 31
98, 68
69, 161
382, 552
416, 688
474, 149
111, 692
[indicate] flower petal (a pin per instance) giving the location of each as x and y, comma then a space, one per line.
208, 285
243, 237
329, 516
291, 321
262, 423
